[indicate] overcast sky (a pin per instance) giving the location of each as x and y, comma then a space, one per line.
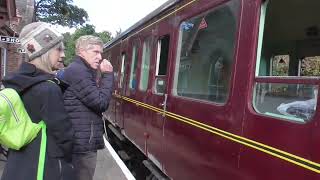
111, 15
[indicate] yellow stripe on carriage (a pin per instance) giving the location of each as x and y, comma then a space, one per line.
230, 136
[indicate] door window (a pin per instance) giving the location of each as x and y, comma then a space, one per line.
122, 69
145, 64
134, 64
161, 66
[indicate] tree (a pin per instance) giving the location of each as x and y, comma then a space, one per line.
70, 39
61, 12
104, 35
310, 66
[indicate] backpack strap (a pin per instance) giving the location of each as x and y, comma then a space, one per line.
43, 145
43, 148
62, 84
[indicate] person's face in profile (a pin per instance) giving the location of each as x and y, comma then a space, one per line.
60, 65
56, 57
92, 55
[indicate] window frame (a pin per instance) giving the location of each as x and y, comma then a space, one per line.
304, 80
178, 55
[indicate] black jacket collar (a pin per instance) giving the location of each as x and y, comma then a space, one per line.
26, 76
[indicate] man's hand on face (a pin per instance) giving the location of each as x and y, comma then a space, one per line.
105, 66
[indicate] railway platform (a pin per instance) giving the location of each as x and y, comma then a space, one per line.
108, 166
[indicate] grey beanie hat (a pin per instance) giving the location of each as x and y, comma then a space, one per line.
37, 38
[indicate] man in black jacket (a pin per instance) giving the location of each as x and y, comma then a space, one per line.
91, 84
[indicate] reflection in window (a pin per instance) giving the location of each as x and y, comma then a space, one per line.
145, 64
206, 51
295, 102
122, 70
133, 72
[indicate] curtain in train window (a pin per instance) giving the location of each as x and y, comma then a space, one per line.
288, 49
145, 64
206, 54
134, 65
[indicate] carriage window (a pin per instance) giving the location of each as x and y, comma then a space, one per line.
162, 56
162, 61
145, 64
288, 52
206, 54
294, 102
122, 70
134, 64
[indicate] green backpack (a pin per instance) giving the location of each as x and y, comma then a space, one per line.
16, 127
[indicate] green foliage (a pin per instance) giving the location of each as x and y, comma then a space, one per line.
280, 65
70, 39
311, 66
104, 35
61, 12
280, 70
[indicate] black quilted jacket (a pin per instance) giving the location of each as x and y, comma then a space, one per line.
85, 101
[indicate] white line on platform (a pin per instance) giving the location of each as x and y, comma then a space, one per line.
120, 163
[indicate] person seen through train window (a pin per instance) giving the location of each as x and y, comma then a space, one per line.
91, 84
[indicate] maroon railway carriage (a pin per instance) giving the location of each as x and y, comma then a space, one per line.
221, 89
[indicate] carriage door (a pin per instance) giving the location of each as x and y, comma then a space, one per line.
110, 113
155, 125
203, 106
283, 115
121, 89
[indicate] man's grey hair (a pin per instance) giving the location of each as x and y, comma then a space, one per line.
85, 42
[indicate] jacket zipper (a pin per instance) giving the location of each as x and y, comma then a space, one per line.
60, 169
11, 107
91, 133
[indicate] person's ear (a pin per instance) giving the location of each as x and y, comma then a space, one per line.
82, 51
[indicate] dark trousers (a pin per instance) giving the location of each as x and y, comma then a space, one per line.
84, 165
